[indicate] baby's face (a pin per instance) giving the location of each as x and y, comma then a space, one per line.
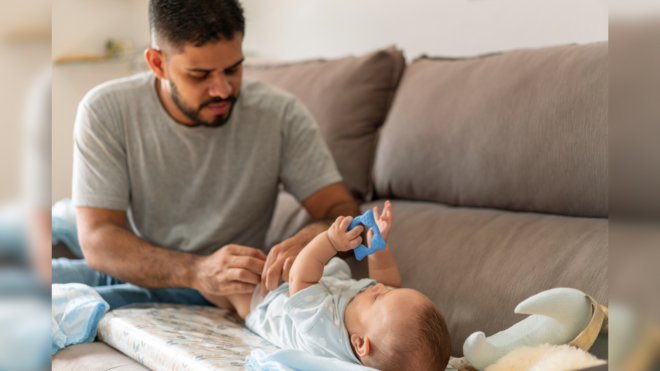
378, 310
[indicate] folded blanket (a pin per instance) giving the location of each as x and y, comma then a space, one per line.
76, 310
64, 226
297, 360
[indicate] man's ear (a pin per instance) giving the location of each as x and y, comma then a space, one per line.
156, 61
362, 345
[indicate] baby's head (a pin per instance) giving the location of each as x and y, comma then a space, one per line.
399, 329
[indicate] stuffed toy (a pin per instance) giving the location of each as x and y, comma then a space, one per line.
545, 357
557, 317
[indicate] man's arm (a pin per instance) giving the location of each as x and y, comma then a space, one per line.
110, 248
307, 269
324, 206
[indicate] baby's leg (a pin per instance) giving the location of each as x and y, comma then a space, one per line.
241, 303
236, 302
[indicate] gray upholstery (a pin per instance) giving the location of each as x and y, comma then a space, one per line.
524, 130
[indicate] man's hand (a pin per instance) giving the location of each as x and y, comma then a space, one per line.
341, 238
233, 269
280, 260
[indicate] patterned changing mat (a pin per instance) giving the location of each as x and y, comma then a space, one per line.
176, 337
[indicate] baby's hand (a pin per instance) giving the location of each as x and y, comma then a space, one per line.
384, 222
342, 239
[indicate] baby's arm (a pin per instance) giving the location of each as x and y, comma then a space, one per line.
382, 266
307, 269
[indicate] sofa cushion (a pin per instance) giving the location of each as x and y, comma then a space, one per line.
349, 98
93, 357
478, 264
524, 130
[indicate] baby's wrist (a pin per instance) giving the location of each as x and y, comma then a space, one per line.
332, 244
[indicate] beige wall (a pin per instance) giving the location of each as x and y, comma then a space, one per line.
302, 29
24, 53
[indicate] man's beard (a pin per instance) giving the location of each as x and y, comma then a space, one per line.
194, 114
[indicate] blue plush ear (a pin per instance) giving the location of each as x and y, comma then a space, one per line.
377, 242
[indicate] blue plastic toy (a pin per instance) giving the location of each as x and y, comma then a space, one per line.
377, 242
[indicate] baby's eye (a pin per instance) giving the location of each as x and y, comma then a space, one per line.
375, 296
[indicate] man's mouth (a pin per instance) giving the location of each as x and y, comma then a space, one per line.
219, 108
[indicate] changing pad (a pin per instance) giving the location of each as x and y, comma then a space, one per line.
176, 337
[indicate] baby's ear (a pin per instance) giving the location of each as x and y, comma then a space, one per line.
362, 345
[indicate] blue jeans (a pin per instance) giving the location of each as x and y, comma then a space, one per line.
114, 291
118, 293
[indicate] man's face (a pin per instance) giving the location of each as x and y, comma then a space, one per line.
204, 82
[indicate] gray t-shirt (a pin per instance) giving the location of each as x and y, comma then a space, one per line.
195, 189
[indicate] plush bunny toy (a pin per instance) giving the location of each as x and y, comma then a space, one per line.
557, 317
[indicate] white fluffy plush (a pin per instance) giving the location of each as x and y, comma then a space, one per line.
557, 316
545, 358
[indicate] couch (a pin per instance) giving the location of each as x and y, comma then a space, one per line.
496, 165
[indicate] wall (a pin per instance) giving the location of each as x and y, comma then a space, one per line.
304, 29
24, 53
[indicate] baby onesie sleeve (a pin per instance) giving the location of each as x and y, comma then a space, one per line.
308, 306
314, 315
337, 268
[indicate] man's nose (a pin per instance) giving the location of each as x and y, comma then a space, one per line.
220, 87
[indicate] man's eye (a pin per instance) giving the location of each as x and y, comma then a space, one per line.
231, 71
200, 77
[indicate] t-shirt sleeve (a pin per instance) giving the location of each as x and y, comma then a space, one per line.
307, 165
100, 167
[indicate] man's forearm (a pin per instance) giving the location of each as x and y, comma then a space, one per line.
121, 254
316, 227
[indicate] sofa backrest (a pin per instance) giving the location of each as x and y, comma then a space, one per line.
349, 98
524, 130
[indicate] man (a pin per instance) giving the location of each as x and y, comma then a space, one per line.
176, 171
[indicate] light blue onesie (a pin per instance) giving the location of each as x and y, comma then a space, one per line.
313, 319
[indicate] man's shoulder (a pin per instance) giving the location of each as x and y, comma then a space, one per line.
125, 89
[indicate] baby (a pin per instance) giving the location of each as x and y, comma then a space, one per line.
372, 321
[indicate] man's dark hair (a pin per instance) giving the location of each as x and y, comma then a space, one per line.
196, 22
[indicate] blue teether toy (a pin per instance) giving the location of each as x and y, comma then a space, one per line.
377, 242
